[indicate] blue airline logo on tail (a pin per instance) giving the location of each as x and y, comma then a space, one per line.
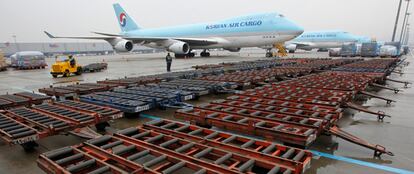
122, 19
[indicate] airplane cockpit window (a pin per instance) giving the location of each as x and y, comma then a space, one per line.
282, 16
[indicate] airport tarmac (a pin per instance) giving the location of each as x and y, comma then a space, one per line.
396, 133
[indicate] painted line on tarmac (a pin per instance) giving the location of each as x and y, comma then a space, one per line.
149, 116
362, 163
20, 89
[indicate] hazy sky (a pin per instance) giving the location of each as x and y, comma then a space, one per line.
28, 18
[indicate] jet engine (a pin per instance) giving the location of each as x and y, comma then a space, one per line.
179, 47
291, 47
123, 45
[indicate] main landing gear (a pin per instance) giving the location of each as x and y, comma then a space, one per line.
269, 53
205, 54
192, 54
188, 55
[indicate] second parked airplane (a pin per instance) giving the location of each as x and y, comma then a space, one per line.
320, 40
231, 34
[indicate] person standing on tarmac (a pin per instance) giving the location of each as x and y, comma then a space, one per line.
168, 59
72, 61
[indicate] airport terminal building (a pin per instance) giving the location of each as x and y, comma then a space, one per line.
52, 48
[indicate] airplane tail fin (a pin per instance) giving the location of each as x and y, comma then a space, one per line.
125, 21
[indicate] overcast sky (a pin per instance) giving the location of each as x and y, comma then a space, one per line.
28, 18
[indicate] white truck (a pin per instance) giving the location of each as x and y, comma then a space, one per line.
388, 51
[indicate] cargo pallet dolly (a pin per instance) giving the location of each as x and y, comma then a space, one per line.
23, 126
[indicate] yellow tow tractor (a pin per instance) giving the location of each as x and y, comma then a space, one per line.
279, 47
65, 65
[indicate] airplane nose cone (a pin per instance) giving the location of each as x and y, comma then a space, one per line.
293, 28
297, 29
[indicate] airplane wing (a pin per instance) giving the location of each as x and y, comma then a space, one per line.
77, 37
198, 41
190, 41
107, 36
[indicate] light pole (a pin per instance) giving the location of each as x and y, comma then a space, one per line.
15, 42
396, 21
407, 34
405, 19
405, 28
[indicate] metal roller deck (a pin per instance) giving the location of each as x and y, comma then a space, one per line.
105, 113
5, 104
165, 97
270, 130
240, 80
311, 92
138, 99
132, 104
270, 116
182, 95
13, 101
205, 156
34, 98
51, 119
78, 117
61, 93
253, 77
344, 81
22, 99
152, 101
289, 156
15, 132
197, 90
280, 111
47, 122
299, 98
72, 160
93, 87
75, 90
201, 87
125, 158
334, 110
372, 65
131, 81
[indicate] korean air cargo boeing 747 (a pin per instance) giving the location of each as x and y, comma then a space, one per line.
232, 34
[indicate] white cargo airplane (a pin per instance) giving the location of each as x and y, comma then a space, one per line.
231, 34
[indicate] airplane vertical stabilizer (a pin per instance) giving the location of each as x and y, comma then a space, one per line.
125, 21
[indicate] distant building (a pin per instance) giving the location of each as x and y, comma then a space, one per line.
53, 48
